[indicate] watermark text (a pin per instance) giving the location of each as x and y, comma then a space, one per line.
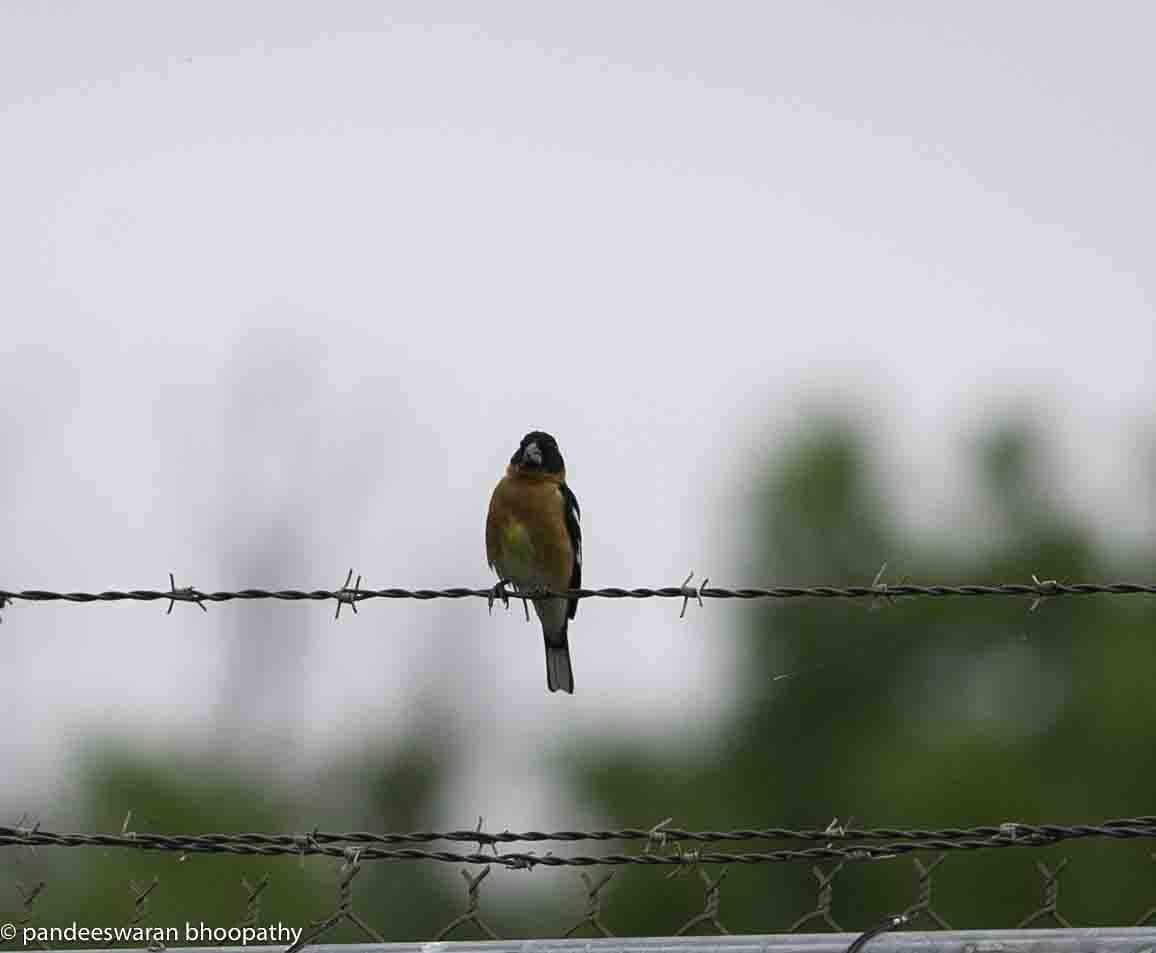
201, 934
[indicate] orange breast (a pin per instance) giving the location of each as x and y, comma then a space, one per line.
526, 536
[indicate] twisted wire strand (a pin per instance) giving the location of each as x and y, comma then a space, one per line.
371, 846
1039, 590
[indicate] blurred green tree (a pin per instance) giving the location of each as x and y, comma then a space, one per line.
918, 712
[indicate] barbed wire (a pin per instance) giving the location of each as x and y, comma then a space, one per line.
1037, 590
370, 846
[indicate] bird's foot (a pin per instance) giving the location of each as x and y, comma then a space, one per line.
499, 592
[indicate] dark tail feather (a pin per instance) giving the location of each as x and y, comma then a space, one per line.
559, 675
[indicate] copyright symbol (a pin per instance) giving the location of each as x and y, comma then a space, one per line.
8, 931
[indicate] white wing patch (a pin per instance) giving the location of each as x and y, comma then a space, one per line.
573, 521
578, 541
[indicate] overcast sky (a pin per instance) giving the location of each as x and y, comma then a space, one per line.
285, 283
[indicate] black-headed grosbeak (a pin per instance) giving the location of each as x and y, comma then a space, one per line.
534, 541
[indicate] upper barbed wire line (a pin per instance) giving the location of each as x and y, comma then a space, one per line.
1038, 590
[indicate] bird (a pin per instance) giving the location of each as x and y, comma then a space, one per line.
534, 541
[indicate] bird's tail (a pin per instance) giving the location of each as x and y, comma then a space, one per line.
559, 675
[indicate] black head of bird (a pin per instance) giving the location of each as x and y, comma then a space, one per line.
538, 451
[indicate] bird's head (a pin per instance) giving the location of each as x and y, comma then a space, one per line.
538, 452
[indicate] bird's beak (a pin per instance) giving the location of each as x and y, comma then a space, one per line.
532, 455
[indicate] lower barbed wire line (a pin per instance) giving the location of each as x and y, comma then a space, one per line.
1038, 590
309, 845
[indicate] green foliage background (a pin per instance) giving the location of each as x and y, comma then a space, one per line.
921, 713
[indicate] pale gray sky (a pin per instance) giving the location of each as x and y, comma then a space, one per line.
284, 283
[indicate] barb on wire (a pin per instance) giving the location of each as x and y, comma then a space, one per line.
689, 593
347, 596
184, 594
837, 830
1051, 896
710, 910
892, 842
687, 860
1037, 589
657, 836
350, 869
884, 592
593, 915
472, 915
1045, 589
484, 840
306, 844
24, 827
822, 909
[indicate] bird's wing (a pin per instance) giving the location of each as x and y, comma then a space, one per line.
573, 513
